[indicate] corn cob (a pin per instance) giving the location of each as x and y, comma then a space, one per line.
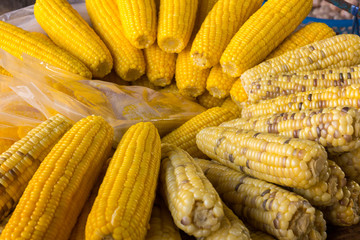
190, 80
219, 83
21, 160
69, 30
58, 190
208, 101
337, 129
257, 234
220, 25
262, 33
328, 191
204, 8
350, 164
4, 72
346, 211
161, 223
312, 32
39, 48
176, 23
281, 160
194, 204
138, 18
122, 208
185, 135
231, 228
129, 61
160, 65
268, 87
265, 206
230, 105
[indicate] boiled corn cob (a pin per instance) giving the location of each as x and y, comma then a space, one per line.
262, 33
315, 99
4, 72
345, 212
268, 87
337, 129
281, 160
138, 18
161, 223
58, 190
328, 191
122, 208
185, 135
129, 61
39, 48
204, 8
208, 101
219, 83
190, 80
312, 32
160, 65
265, 206
231, 105
220, 25
22, 159
194, 204
69, 30
350, 164
176, 23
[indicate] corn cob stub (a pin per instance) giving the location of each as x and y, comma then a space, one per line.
265, 206
59, 188
286, 161
219, 83
194, 204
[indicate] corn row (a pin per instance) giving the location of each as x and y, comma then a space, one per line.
328, 191
265, 206
22, 159
160, 65
220, 25
321, 98
122, 208
161, 223
219, 83
185, 135
208, 101
350, 164
262, 33
231, 105
194, 204
129, 61
312, 32
345, 212
281, 160
337, 129
59, 188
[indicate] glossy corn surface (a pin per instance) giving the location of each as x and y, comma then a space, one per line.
219, 83
232, 106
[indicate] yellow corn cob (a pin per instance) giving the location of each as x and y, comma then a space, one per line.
194, 204
58, 190
345, 212
230, 105
129, 61
208, 101
190, 80
138, 18
315, 99
350, 164
173, 89
39, 48
185, 135
19, 162
328, 191
176, 23
281, 160
257, 234
262, 33
219, 83
160, 65
4, 72
312, 32
204, 8
265, 206
161, 223
145, 82
269, 87
337, 129
69, 30
122, 208
114, 78
220, 25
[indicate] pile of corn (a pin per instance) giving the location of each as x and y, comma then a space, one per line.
279, 159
